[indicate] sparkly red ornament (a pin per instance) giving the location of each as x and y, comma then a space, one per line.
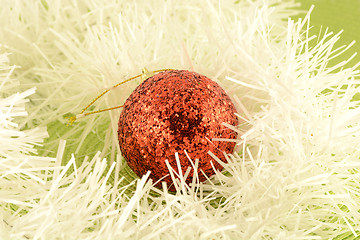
173, 111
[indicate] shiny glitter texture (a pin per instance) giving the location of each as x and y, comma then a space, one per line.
170, 112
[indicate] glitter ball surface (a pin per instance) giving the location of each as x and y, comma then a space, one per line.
170, 112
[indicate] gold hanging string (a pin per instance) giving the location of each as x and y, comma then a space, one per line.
144, 75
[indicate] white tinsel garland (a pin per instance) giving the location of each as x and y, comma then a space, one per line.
295, 172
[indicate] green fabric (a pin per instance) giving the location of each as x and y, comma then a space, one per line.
337, 15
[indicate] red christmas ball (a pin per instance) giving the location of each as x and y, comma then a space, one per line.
170, 112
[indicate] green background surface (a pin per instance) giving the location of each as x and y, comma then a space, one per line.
337, 15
